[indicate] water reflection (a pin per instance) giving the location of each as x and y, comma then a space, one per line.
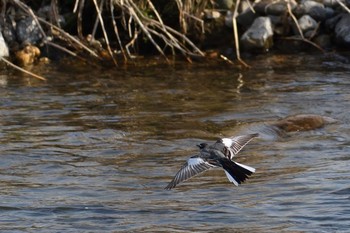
93, 150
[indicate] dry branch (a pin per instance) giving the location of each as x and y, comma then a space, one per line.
23, 70
236, 37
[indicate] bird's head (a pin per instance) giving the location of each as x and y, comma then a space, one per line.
202, 145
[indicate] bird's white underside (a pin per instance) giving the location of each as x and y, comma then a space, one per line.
227, 142
195, 161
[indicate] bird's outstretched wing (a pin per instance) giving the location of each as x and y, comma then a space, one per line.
192, 167
233, 145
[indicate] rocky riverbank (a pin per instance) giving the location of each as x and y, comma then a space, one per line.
323, 24
290, 24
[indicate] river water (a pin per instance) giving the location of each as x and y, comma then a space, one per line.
92, 150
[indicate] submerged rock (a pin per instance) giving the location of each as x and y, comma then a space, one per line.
303, 122
259, 35
28, 55
273, 130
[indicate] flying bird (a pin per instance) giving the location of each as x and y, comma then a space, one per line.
220, 154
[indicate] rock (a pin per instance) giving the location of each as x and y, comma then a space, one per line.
278, 7
332, 22
28, 31
329, 12
306, 23
244, 5
342, 31
4, 50
212, 14
272, 130
259, 35
224, 4
246, 18
324, 41
332, 3
280, 25
314, 9
9, 34
303, 122
27, 56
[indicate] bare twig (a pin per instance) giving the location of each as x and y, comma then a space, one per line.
80, 18
343, 5
226, 59
142, 26
235, 33
295, 21
116, 31
69, 37
104, 32
23, 70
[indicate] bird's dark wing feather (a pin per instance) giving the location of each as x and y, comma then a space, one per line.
192, 167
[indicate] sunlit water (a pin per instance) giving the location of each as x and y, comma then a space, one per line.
91, 151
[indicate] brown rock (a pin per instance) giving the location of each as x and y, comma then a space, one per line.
28, 55
303, 122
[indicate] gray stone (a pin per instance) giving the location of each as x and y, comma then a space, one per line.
270, 7
212, 14
309, 34
224, 4
28, 31
246, 18
332, 3
279, 25
323, 40
315, 9
342, 31
259, 35
332, 22
307, 23
4, 50
9, 34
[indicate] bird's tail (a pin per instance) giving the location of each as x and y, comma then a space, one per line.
236, 173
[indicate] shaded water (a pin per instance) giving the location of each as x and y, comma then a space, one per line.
91, 151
